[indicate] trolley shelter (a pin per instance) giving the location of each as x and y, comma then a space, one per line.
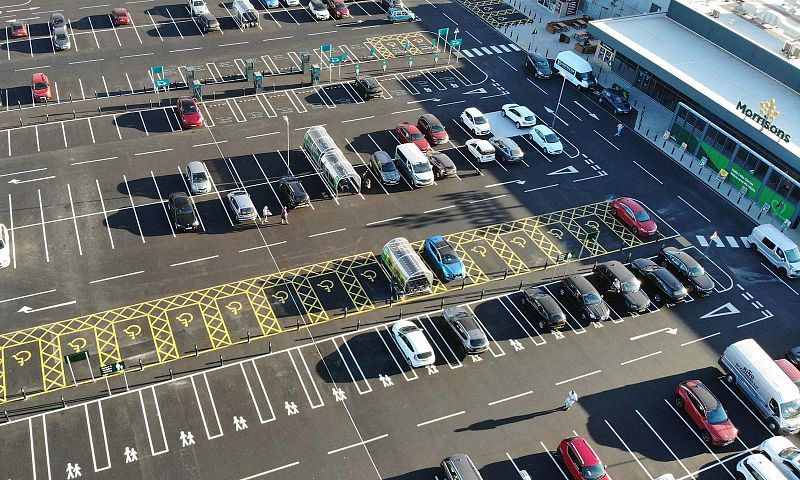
410, 276
330, 163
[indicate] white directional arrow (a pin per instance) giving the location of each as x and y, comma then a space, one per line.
16, 180
585, 110
518, 182
27, 309
425, 100
477, 90
727, 309
552, 112
671, 331
563, 171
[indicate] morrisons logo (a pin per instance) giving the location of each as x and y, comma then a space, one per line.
765, 118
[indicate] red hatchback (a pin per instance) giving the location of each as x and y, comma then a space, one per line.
581, 461
120, 17
40, 87
338, 9
633, 214
706, 412
410, 134
433, 129
19, 29
189, 113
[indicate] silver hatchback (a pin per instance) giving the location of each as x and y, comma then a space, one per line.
197, 177
61, 38
383, 163
241, 205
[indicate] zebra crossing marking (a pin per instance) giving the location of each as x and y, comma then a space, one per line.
717, 241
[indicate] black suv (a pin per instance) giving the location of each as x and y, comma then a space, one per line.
614, 100
292, 193
620, 280
368, 87
667, 286
550, 314
207, 23
686, 268
585, 297
538, 65
181, 212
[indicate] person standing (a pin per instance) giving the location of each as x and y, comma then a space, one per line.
265, 216
284, 215
572, 397
619, 129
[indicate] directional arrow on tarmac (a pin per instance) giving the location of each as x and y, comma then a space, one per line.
425, 100
671, 331
564, 171
727, 309
518, 182
585, 110
16, 180
477, 90
27, 309
552, 112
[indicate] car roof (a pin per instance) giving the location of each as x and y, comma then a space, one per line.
779, 238
619, 270
119, 11
684, 257
631, 203
179, 198
196, 166
39, 77
588, 457
408, 126
466, 318
473, 111
17, 24
290, 180
371, 81
431, 119
543, 129
583, 285
442, 158
383, 157
60, 29
703, 394
506, 141
538, 56
481, 142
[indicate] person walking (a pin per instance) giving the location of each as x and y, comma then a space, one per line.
619, 129
572, 397
284, 215
265, 217
367, 183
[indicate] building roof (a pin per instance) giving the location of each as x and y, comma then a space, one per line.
711, 76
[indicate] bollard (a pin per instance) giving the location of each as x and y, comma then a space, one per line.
20, 121
220, 360
6, 414
483, 292
647, 132
520, 285
215, 95
345, 311
70, 98
738, 200
171, 375
719, 184
629, 257
248, 336
401, 313
273, 86
546, 264
126, 106
24, 395
63, 402
505, 274
729, 190
622, 247
709, 177
691, 162
244, 91
95, 94
358, 323
751, 206
269, 346
47, 117
19, 105
297, 324
441, 304
151, 103
673, 150
141, 365
99, 111
477, 171
196, 352
759, 214
73, 114
463, 281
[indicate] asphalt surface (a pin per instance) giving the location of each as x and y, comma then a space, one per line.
99, 268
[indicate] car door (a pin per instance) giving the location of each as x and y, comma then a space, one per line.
790, 470
423, 126
695, 410
626, 214
470, 123
574, 465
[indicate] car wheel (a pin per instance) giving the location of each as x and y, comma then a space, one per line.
561, 292
753, 247
773, 426
784, 271
678, 401
583, 316
503, 113
518, 125
739, 476
657, 298
705, 436
541, 325
730, 379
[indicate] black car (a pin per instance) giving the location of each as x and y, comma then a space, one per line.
538, 65
292, 193
793, 356
620, 280
466, 329
667, 286
181, 212
687, 269
368, 87
506, 150
441, 165
585, 296
550, 313
614, 100
207, 22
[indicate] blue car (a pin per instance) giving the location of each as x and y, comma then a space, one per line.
444, 259
271, 3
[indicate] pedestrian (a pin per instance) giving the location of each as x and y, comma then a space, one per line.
265, 216
572, 397
284, 215
619, 129
367, 183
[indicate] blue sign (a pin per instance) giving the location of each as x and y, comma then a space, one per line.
443, 32
336, 59
456, 42
325, 47
157, 69
162, 83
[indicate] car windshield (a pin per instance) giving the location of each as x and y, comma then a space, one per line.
551, 138
189, 108
58, 21
632, 286
388, 167
696, 271
40, 85
593, 472
528, 118
591, 299
417, 136
793, 255
449, 257
198, 177
477, 342
184, 210
436, 128
581, 76
717, 415
340, 6
542, 64
61, 36
318, 6
2, 244
421, 167
408, 329
479, 120
790, 453
642, 216
516, 152
790, 410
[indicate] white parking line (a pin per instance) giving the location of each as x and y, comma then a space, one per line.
695, 210
74, 220
665, 444
155, 26
147, 423
578, 377
386, 220
300, 377
44, 233
700, 339
513, 397
629, 450
91, 130
116, 277
163, 203
779, 279
194, 261
358, 444
645, 171
261, 419
153, 151
213, 407
450, 364
114, 28
135, 29
642, 357
276, 469
524, 317
558, 466
135, 214
326, 233
105, 214
173, 22
93, 33
441, 418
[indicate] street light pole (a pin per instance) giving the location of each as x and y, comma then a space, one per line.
555, 114
288, 168
455, 37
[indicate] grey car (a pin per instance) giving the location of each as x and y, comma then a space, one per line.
383, 164
197, 177
546, 307
241, 205
506, 149
466, 329
57, 20
622, 281
61, 38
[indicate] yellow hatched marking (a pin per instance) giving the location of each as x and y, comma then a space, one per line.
530, 226
215, 325
603, 211
263, 311
514, 263
354, 288
164, 341
474, 273
309, 299
106, 340
2, 375
52, 362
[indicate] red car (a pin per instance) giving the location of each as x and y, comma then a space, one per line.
433, 129
633, 214
706, 412
581, 461
189, 112
410, 134
120, 17
338, 9
19, 29
40, 87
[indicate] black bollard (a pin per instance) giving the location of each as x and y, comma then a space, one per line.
171, 375
483, 292
269, 346
63, 402
505, 274
520, 285
141, 365
248, 336
196, 352
220, 360
24, 395
345, 311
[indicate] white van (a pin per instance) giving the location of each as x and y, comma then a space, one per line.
575, 69
414, 164
246, 13
777, 248
773, 394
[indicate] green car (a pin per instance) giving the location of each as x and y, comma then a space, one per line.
400, 14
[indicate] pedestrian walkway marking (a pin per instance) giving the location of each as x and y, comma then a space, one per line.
481, 51
717, 241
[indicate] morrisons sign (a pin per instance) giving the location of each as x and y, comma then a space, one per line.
765, 118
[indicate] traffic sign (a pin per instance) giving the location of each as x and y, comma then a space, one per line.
157, 69
335, 59
455, 42
564, 256
161, 83
325, 47
410, 61
77, 357
443, 32
384, 65
112, 368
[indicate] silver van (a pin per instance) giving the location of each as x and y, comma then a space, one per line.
414, 164
777, 248
460, 467
197, 177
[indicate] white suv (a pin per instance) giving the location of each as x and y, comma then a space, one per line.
473, 119
197, 7
757, 467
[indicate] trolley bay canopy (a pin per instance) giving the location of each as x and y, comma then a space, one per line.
336, 171
409, 273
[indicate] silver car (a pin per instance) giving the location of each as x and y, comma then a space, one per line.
241, 205
61, 38
466, 329
198, 178
57, 20
383, 163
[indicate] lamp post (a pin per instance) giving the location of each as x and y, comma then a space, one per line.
455, 36
288, 168
555, 113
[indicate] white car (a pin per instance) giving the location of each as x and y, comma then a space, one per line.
546, 139
5, 247
482, 150
519, 114
292, 3
783, 454
318, 10
473, 119
412, 342
197, 7
757, 467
